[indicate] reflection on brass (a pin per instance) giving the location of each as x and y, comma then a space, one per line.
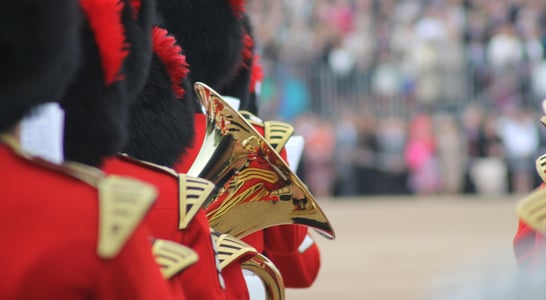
172, 258
257, 189
269, 274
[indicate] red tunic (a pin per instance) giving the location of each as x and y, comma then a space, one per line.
233, 276
529, 247
279, 243
200, 281
49, 228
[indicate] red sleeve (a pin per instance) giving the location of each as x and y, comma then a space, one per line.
529, 248
134, 274
256, 240
284, 239
206, 270
298, 268
236, 288
74, 271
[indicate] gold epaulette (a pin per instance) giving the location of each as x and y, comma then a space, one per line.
532, 210
123, 202
541, 167
277, 134
172, 258
193, 192
231, 249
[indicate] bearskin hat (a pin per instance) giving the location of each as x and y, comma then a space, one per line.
161, 119
115, 38
243, 84
210, 33
38, 54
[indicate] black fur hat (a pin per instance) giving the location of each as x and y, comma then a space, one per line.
240, 86
116, 39
211, 35
38, 54
161, 120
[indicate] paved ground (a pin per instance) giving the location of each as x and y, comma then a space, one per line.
413, 248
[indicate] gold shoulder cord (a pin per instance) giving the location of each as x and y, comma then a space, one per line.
172, 258
277, 134
123, 202
532, 210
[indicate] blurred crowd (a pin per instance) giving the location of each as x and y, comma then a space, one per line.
430, 96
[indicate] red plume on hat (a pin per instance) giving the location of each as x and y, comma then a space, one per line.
242, 84
210, 34
104, 18
170, 54
238, 7
97, 103
39, 46
257, 74
136, 5
161, 125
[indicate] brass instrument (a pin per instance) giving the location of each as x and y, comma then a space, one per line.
231, 249
275, 196
268, 273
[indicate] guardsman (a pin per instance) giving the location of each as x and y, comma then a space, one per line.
70, 232
290, 247
530, 238
161, 128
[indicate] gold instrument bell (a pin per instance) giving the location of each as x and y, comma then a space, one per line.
248, 198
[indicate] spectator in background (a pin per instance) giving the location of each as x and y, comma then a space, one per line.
396, 57
366, 149
421, 159
488, 169
519, 133
391, 142
318, 156
451, 152
346, 141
